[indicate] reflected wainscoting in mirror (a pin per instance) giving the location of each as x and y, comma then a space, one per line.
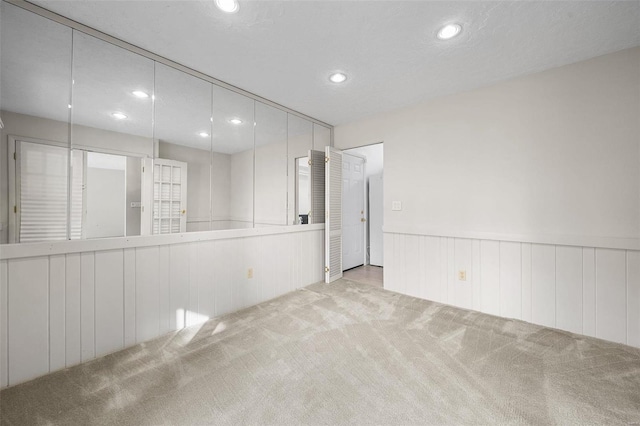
99, 141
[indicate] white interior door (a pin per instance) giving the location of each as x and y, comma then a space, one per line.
353, 216
333, 216
169, 196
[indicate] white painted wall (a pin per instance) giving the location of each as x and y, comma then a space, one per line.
69, 302
532, 186
549, 157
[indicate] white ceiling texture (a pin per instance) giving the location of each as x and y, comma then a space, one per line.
285, 50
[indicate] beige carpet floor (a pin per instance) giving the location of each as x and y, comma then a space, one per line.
345, 353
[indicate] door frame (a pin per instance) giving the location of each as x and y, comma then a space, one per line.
366, 204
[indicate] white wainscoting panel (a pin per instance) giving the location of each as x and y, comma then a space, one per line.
611, 303
28, 307
585, 290
87, 306
72, 309
510, 280
490, 277
633, 298
109, 313
129, 296
57, 273
4, 320
589, 291
569, 288
65, 308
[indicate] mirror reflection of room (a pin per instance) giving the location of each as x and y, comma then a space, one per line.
182, 163
233, 159
109, 143
300, 138
111, 135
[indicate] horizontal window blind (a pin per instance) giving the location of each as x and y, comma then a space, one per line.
43, 186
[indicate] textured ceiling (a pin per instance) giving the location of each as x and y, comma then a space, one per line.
36, 76
284, 51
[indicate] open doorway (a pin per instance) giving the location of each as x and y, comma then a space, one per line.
362, 211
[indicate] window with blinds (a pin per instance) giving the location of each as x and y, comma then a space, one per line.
42, 202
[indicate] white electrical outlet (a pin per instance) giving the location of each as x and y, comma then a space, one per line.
396, 206
250, 273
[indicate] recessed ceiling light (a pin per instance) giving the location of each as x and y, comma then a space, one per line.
204, 134
338, 77
229, 6
235, 121
449, 31
119, 115
140, 94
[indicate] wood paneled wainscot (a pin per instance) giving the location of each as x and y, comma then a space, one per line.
584, 290
69, 302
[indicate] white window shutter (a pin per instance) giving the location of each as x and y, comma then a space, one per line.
333, 224
316, 174
43, 183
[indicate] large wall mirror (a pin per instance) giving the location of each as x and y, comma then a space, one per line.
271, 166
35, 94
109, 143
111, 135
300, 138
182, 165
233, 159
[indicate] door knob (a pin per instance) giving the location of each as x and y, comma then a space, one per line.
363, 219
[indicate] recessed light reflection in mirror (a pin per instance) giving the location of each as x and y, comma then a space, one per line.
338, 77
449, 31
228, 6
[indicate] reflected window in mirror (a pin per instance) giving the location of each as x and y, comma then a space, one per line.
35, 82
182, 165
233, 160
111, 137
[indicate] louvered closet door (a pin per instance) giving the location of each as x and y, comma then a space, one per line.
42, 172
316, 175
333, 220
169, 196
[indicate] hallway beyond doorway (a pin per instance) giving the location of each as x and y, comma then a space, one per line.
366, 274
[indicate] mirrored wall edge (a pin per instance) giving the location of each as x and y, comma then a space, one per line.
150, 55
